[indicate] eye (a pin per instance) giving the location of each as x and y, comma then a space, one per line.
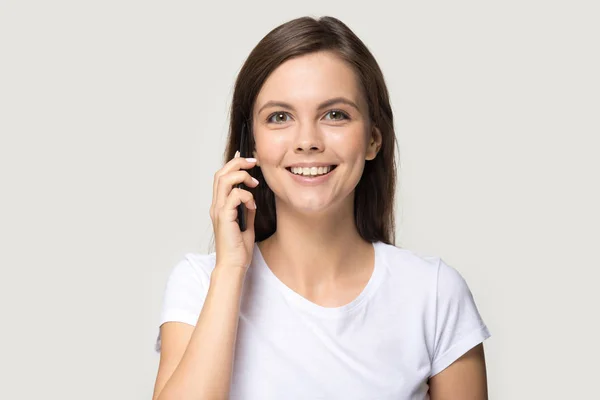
279, 116
276, 114
338, 115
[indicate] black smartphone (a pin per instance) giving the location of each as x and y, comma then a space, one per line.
241, 209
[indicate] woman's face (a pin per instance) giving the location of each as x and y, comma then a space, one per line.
297, 122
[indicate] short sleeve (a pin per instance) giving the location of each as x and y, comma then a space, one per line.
459, 326
185, 292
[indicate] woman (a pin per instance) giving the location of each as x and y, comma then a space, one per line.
313, 300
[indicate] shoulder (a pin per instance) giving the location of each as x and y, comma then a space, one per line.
425, 274
408, 264
432, 268
186, 289
187, 285
193, 267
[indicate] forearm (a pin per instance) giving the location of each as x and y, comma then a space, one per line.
204, 371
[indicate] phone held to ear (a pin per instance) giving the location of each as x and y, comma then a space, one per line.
241, 209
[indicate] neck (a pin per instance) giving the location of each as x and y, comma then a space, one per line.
314, 249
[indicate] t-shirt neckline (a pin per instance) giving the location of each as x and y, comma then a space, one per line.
299, 301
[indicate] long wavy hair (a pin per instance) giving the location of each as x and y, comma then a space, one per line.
374, 193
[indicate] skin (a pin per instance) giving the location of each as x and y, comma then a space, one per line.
316, 250
465, 378
325, 259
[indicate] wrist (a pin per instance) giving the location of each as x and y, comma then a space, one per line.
226, 272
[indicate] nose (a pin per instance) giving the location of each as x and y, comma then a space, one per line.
308, 140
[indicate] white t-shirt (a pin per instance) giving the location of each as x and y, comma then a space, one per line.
415, 317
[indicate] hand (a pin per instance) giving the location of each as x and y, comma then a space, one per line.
234, 248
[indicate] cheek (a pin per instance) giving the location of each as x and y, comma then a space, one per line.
269, 155
270, 149
349, 145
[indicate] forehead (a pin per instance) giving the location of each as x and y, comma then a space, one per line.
310, 79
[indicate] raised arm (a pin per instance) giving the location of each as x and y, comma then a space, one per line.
196, 362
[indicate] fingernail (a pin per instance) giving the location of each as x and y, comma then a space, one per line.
255, 205
237, 154
255, 180
251, 159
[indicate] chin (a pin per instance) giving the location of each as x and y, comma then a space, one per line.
312, 206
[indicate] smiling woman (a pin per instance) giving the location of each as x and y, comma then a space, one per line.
325, 122
313, 299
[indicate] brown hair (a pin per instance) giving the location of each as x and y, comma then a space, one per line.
374, 193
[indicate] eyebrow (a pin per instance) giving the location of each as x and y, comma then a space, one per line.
325, 104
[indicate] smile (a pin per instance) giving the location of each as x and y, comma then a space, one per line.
311, 171
309, 179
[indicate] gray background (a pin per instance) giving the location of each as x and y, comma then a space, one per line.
113, 117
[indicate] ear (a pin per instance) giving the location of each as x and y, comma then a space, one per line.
254, 155
374, 143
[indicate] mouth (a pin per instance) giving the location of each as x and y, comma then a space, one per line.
312, 172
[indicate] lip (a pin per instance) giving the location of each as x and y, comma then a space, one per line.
312, 181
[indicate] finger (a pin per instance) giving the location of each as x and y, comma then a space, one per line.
217, 177
236, 163
227, 182
228, 213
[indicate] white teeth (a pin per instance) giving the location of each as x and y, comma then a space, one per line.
312, 171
